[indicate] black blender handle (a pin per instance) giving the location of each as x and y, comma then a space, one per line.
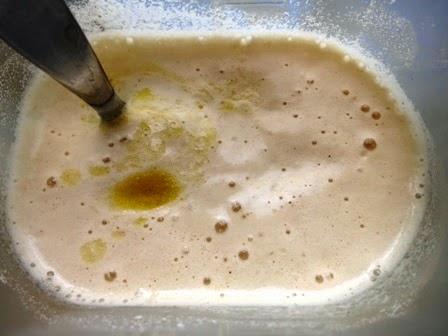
47, 34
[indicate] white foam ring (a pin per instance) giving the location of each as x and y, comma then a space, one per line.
356, 28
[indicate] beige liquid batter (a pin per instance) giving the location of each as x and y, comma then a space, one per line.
281, 167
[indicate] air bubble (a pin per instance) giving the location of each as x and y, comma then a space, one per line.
236, 206
369, 144
319, 279
221, 226
243, 254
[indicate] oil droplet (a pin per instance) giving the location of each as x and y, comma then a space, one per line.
145, 190
93, 251
71, 177
144, 96
99, 170
91, 118
118, 234
140, 221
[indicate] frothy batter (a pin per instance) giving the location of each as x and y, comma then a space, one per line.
238, 170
